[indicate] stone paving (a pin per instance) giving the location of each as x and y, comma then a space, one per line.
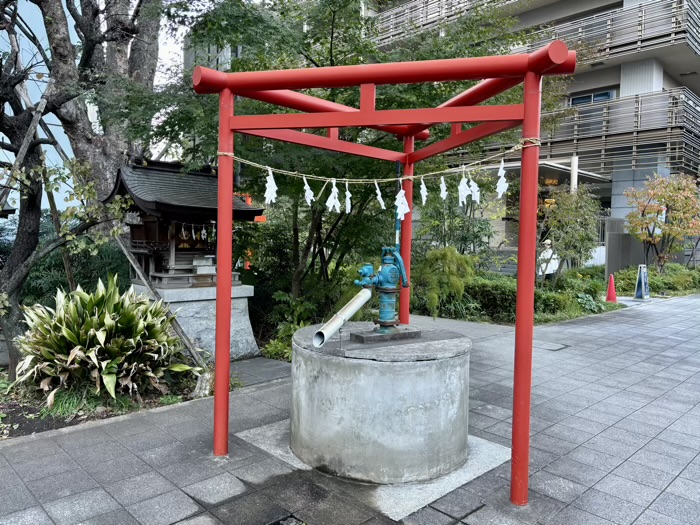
615, 440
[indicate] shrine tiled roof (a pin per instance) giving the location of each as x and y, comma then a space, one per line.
164, 189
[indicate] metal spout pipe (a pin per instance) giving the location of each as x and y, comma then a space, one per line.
336, 322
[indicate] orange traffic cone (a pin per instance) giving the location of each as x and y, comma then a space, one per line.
612, 293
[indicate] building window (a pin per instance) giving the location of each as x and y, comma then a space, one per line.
595, 96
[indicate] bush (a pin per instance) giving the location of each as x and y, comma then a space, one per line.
676, 278
441, 275
496, 297
117, 341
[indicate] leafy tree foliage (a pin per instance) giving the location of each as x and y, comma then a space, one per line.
665, 211
570, 221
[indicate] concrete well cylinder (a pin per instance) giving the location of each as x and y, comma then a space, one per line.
389, 414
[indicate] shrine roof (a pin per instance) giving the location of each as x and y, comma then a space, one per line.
168, 191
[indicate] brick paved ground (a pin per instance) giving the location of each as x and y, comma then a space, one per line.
615, 439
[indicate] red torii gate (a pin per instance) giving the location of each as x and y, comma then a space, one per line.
275, 87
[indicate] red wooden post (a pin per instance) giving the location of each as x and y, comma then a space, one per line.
224, 268
525, 302
407, 234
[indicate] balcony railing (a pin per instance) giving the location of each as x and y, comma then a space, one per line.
635, 132
614, 33
419, 15
628, 30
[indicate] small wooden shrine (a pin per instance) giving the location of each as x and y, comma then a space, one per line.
173, 221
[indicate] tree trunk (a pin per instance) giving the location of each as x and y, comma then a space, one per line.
298, 275
12, 327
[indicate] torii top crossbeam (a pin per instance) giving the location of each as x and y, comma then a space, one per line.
499, 73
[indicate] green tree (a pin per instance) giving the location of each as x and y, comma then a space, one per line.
313, 33
570, 221
664, 212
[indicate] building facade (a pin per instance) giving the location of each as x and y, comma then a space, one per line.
635, 108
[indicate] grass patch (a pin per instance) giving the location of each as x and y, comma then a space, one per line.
170, 400
75, 402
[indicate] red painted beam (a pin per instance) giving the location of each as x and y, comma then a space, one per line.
465, 137
317, 141
494, 86
525, 300
224, 244
212, 81
307, 103
374, 118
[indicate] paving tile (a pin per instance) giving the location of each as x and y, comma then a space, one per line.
625, 436
649, 517
146, 440
485, 484
425, 516
627, 490
594, 458
660, 461
30, 516
556, 487
61, 485
575, 516
692, 472
43, 467
643, 474
610, 446
568, 433
685, 488
138, 488
115, 517
584, 425
80, 507
671, 449
552, 444
682, 509
458, 503
214, 491
538, 508
608, 507
493, 411
262, 473
167, 454
82, 438
132, 425
189, 472
99, 453
575, 471
117, 469
296, 493
14, 497
252, 509
201, 519
31, 450
165, 509
671, 436
490, 516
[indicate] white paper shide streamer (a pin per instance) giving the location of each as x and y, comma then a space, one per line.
443, 188
379, 196
401, 205
463, 190
348, 196
270, 188
502, 184
308, 192
423, 191
475, 191
333, 203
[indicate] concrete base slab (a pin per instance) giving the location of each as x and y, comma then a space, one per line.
394, 501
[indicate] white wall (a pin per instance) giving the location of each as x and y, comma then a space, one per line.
642, 76
598, 78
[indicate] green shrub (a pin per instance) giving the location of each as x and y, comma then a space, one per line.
496, 297
117, 341
676, 278
442, 274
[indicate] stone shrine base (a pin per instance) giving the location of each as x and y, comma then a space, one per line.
196, 312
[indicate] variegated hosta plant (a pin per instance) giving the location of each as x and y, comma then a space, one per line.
119, 342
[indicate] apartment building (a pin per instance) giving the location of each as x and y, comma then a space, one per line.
635, 104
